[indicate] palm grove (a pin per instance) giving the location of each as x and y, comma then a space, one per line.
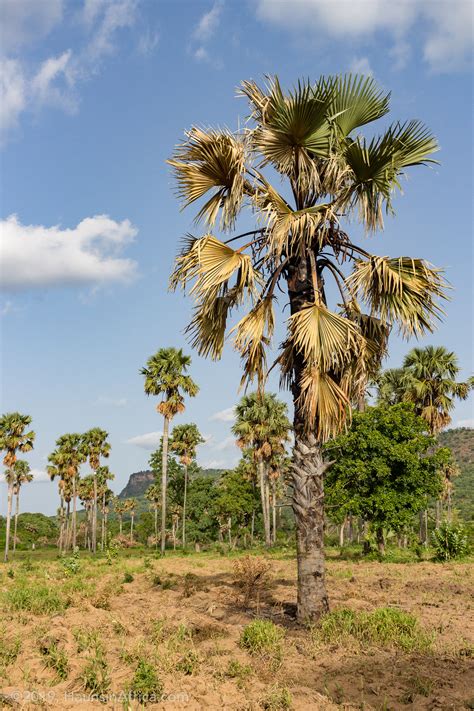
343, 304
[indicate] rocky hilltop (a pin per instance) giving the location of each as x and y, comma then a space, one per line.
137, 484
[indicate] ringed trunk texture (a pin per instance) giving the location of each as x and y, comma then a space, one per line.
9, 516
156, 528
164, 472
308, 506
184, 503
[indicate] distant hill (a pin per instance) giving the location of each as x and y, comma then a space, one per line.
461, 443
139, 482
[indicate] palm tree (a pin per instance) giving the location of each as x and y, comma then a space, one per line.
85, 491
165, 376
13, 439
120, 507
153, 494
261, 425
278, 468
391, 386
311, 137
105, 494
184, 440
65, 462
22, 475
95, 442
130, 507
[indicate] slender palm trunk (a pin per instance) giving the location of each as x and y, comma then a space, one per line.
131, 527
61, 526
156, 527
274, 514
9, 515
164, 473
74, 513
106, 521
17, 511
252, 527
68, 526
94, 515
341, 533
120, 523
263, 496
307, 473
184, 503
102, 544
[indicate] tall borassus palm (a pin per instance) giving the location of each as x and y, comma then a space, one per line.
65, 461
310, 136
165, 376
262, 426
96, 446
153, 495
184, 441
14, 437
22, 475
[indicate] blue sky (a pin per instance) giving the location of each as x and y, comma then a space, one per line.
95, 95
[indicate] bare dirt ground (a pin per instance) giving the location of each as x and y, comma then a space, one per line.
189, 609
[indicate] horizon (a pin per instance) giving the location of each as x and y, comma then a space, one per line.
96, 96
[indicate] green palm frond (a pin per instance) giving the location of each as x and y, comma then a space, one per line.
212, 161
377, 165
357, 100
401, 289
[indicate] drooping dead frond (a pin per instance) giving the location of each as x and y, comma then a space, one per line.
402, 289
325, 404
208, 325
252, 336
324, 339
212, 161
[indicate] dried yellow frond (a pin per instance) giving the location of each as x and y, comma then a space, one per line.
325, 404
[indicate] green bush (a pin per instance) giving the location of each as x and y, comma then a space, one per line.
95, 675
450, 541
71, 564
55, 658
262, 637
146, 685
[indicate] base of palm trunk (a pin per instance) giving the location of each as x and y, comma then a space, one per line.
308, 505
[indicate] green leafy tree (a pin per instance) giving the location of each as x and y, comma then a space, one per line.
184, 441
311, 137
97, 446
381, 468
202, 518
236, 500
262, 426
14, 438
165, 377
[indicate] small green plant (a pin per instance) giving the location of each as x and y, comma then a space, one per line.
112, 550
386, 627
237, 670
263, 638
71, 564
188, 663
450, 541
95, 675
85, 639
11, 573
278, 698
55, 658
146, 685
128, 578
9, 649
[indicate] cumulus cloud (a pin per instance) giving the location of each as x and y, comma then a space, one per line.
361, 65
208, 23
88, 254
54, 81
226, 444
444, 32
149, 440
227, 415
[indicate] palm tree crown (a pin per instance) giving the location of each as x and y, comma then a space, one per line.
310, 136
165, 375
13, 437
185, 439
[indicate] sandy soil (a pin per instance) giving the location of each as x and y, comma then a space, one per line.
325, 678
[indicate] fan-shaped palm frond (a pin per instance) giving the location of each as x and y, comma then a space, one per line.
357, 100
402, 290
324, 402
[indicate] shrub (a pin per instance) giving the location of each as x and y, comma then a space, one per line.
449, 541
146, 685
189, 662
237, 670
262, 637
71, 564
251, 575
128, 578
385, 626
278, 698
95, 675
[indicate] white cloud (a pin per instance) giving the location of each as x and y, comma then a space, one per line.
201, 54
37, 256
25, 86
466, 423
227, 415
208, 23
148, 42
110, 401
39, 475
444, 26
149, 440
361, 65
215, 464
226, 444
26, 21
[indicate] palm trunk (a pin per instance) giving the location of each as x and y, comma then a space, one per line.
74, 513
184, 503
263, 496
438, 513
17, 511
61, 527
9, 515
94, 516
380, 541
274, 514
68, 526
131, 528
103, 523
120, 523
156, 527
341, 533
164, 472
252, 527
